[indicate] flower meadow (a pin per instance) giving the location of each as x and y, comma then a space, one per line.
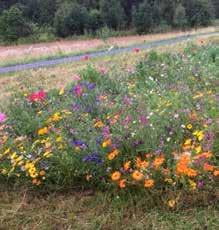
152, 128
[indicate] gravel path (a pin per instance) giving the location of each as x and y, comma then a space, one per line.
57, 61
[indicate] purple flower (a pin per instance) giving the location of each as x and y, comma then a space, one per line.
3, 117
93, 157
76, 107
91, 86
143, 119
106, 132
81, 144
200, 184
78, 90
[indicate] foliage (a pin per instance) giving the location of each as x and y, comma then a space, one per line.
70, 19
77, 17
14, 25
152, 128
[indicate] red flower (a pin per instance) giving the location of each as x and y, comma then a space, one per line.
37, 96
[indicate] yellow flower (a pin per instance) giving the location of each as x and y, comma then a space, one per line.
192, 184
98, 124
106, 143
116, 176
138, 176
171, 203
198, 149
59, 139
148, 183
189, 126
61, 92
43, 131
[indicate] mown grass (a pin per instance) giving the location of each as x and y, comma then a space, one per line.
78, 210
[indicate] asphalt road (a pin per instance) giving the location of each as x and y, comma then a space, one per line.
114, 51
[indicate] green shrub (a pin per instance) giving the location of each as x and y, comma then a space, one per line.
13, 25
70, 19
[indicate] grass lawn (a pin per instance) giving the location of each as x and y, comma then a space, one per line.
80, 210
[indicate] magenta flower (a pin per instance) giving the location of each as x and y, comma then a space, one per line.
3, 117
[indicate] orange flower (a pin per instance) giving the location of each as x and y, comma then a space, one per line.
191, 172
148, 183
113, 154
204, 155
158, 161
141, 164
98, 124
122, 183
216, 173
106, 143
116, 176
138, 176
42, 173
126, 165
208, 167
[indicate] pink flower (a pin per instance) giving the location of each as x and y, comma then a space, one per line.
136, 50
102, 70
3, 117
76, 78
37, 96
85, 58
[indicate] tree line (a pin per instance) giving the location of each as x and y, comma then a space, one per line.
65, 18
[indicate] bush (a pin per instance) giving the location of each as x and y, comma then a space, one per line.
95, 21
70, 19
199, 12
153, 128
179, 19
13, 25
146, 17
112, 13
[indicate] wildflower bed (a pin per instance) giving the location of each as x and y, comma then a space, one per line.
151, 127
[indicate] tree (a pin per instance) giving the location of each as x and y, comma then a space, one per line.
179, 19
70, 19
112, 13
146, 16
14, 25
199, 12
95, 20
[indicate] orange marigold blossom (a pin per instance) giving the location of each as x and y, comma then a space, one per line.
116, 176
122, 183
113, 154
42, 173
127, 165
141, 164
191, 172
106, 143
158, 161
208, 167
138, 176
216, 173
148, 183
